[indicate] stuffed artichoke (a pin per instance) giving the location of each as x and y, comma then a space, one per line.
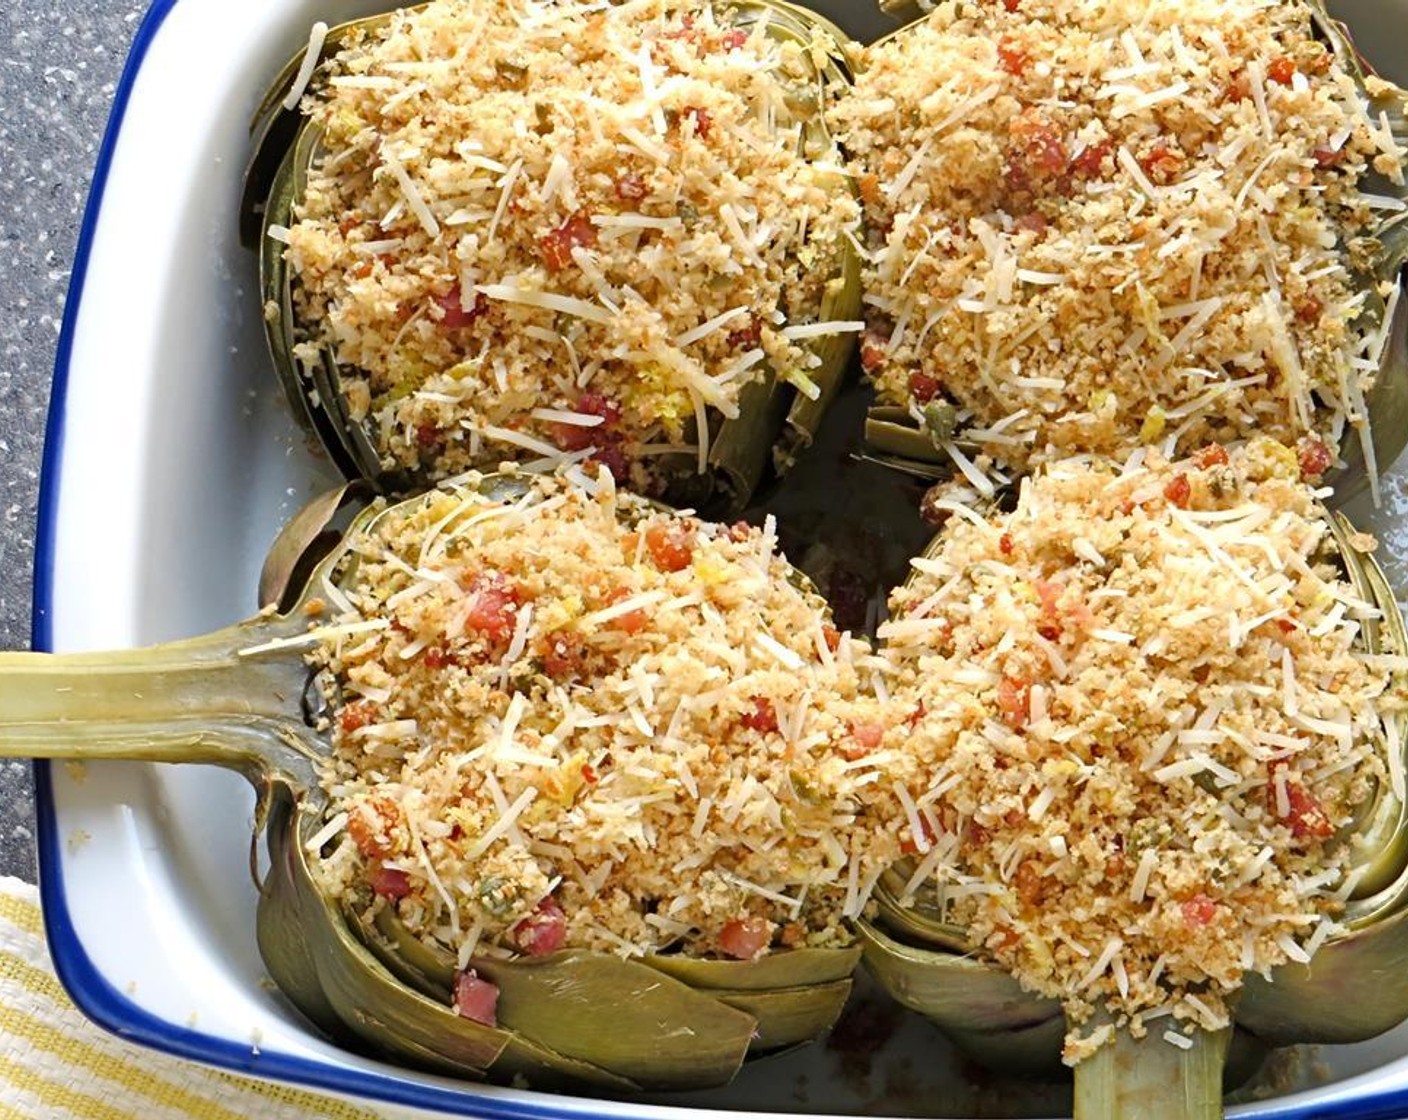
1159, 710
563, 232
1096, 226
558, 786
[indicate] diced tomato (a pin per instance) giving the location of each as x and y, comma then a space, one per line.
630, 187
575, 437
923, 388
749, 337
1315, 458
763, 717
437, 657
1213, 455
1329, 157
1034, 222
632, 622
455, 315
832, 637
1091, 160
1306, 817
1309, 309
1285, 625
369, 824
1051, 631
563, 655
671, 546
429, 435
1239, 88
556, 247
476, 998
356, 716
1198, 911
1161, 163
1011, 5
745, 939
874, 349
543, 931
1014, 701
733, 39
1178, 491
613, 458
1282, 70
865, 737
1042, 146
1011, 57
702, 118
493, 609
1005, 545
391, 882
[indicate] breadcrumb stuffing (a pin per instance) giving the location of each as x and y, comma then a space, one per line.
635, 728
1101, 225
568, 230
1146, 710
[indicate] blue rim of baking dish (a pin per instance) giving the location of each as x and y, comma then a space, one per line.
89, 989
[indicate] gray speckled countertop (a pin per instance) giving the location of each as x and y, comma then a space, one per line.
61, 61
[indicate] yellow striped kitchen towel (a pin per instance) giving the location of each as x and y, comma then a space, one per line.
56, 1065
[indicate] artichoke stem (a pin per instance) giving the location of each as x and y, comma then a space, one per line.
198, 700
1153, 1079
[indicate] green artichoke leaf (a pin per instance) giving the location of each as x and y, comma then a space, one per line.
789, 968
559, 1000
789, 1016
623, 1016
955, 991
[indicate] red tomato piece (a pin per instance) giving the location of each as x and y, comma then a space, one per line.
671, 546
1282, 70
763, 717
1178, 491
1014, 701
702, 118
455, 315
1315, 458
1199, 910
494, 609
544, 931
1011, 57
556, 247
632, 622
1091, 160
745, 939
1306, 817
476, 998
356, 716
923, 388
391, 882
1213, 455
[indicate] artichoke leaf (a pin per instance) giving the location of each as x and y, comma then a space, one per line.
785, 968
957, 992
789, 1016
623, 1016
